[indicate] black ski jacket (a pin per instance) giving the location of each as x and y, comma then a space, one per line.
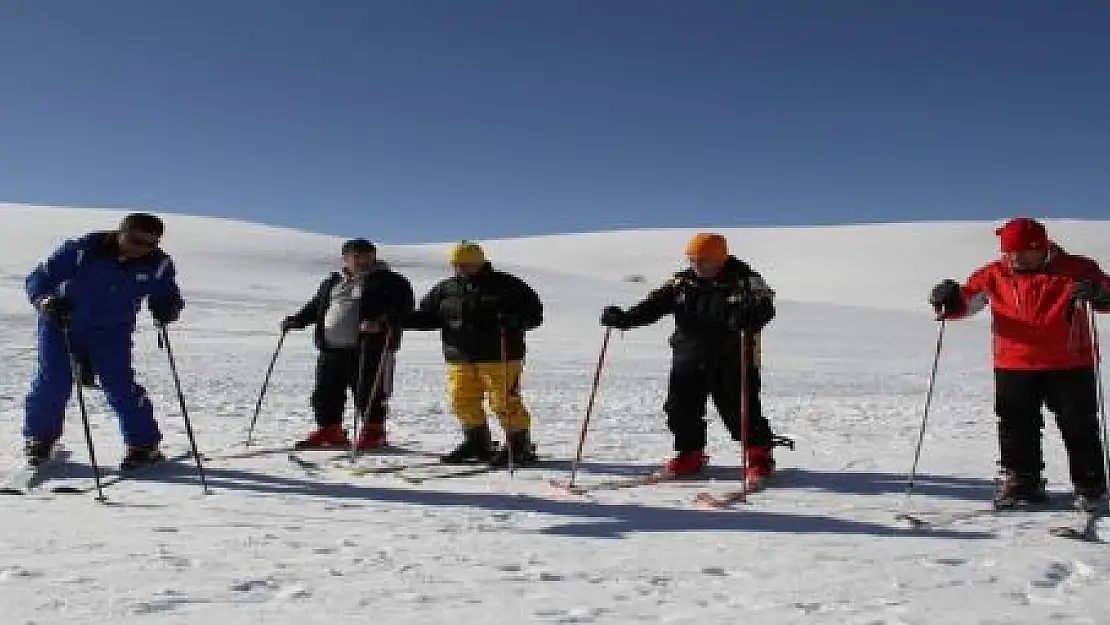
702, 309
469, 312
385, 293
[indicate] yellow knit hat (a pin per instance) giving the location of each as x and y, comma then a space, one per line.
467, 253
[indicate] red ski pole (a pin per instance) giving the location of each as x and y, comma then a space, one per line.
589, 407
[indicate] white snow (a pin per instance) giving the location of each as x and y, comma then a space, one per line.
846, 367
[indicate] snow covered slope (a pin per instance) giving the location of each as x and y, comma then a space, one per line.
846, 370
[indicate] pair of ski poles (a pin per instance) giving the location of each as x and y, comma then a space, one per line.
75, 372
361, 415
1100, 394
595, 383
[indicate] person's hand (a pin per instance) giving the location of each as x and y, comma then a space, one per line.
55, 307
614, 317
947, 298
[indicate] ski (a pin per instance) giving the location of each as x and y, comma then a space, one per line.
29, 476
708, 499
936, 520
620, 483
442, 471
1085, 528
253, 452
450, 473
382, 469
312, 467
22, 481
118, 476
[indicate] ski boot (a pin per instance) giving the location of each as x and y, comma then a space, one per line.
477, 446
325, 437
1020, 488
140, 456
372, 436
522, 448
1090, 497
37, 450
686, 463
760, 464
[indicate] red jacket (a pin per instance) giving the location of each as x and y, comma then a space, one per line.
1031, 324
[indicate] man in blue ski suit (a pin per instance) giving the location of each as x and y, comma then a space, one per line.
92, 288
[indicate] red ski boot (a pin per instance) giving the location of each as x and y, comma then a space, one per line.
326, 437
686, 463
372, 436
760, 464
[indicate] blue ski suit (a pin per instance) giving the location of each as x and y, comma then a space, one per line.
105, 293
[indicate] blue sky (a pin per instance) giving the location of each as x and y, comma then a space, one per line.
427, 120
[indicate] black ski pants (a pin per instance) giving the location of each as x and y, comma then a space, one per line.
692, 382
1071, 395
337, 371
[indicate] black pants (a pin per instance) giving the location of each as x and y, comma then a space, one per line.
692, 382
1070, 394
337, 371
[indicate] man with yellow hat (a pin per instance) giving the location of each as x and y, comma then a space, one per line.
712, 301
482, 315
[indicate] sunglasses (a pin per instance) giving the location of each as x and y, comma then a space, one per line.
138, 240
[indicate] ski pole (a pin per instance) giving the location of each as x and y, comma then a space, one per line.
76, 376
505, 397
589, 407
1101, 394
744, 403
164, 335
265, 385
928, 403
362, 413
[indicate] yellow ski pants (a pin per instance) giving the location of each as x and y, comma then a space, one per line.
469, 383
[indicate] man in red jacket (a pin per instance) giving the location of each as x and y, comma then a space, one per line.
1043, 356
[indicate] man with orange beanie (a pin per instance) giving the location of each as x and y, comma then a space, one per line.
482, 315
712, 302
1043, 355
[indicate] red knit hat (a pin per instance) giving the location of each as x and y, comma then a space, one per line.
1021, 234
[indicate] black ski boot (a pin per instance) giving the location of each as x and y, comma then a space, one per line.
1090, 497
477, 446
140, 456
37, 450
1020, 489
523, 451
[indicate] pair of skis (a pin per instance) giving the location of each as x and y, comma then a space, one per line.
704, 499
1084, 527
30, 478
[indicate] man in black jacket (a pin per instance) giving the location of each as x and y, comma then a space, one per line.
482, 315
712, 302
357, 313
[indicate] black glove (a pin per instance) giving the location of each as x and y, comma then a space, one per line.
1090, 291
739, 315
55, 307
508, 321
291, 323
614, 317
947, 298
163, 314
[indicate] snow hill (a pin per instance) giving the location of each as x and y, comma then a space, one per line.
846, 369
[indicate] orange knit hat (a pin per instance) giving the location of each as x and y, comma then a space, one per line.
707, 246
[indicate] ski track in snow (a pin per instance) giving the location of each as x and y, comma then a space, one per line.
274, 543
